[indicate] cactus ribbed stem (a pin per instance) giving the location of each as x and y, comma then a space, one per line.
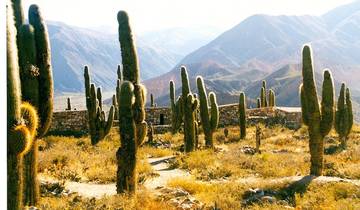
242, 115
210, 120
319, 122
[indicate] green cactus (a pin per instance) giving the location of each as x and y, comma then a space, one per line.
152, 104
344, 115
126, 176
189, 105
258, 103
176, 109
319, 121
19, 136
263, 97
209, 121
271, 98
242, 115
116, 107
68, 104
36, 76
98, 126
264, 101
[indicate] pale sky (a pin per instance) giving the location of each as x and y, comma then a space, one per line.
147, 15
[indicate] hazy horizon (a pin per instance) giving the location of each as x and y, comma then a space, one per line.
149, 16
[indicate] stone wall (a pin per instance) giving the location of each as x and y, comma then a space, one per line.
76, 121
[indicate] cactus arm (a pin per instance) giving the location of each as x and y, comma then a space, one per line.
214, 112
258, 103
327, 104
28, 113
45, 79
99, 97
350, 112
340, 124
110, 120
204, 107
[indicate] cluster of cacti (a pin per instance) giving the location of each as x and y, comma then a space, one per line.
344, 116
99, 127
176, 109
242, 115
35, 70
189, 105
209, 120
319, 120
263, 101
22, 119
132, 94
68, 107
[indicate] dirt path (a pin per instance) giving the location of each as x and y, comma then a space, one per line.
160, 166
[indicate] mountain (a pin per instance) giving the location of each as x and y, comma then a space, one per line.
270, 43
181, 40
74, 47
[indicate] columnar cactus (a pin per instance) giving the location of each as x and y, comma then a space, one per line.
132, 131
37, 89
344, 115
209, 120
189, 104
242, 115
318, 120
263, 97
19, 135
176, 109
258, 139
264, 101
152, 103
258, 103
116, 107
68, 104
271, 98
98, 126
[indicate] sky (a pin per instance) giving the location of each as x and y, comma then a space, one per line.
149, 15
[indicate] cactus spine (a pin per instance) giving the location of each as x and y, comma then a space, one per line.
242, 115
176, 109
19, 136
210, 120
36, 76
189, 104
319, 121
133, 128
98, 126
344, 115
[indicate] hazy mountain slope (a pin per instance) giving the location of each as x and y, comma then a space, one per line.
73, 47
268, 43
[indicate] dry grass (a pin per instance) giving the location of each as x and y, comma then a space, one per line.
77, 160
142, 201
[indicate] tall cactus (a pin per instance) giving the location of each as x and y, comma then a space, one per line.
264, 101
137, 130
189, 105
37, 89
271, 98
319, 121
99, 127
242, 115
116, 107
344, 115
210, 120
258, 103
68, 104
19, 136
176, 109
152, 103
